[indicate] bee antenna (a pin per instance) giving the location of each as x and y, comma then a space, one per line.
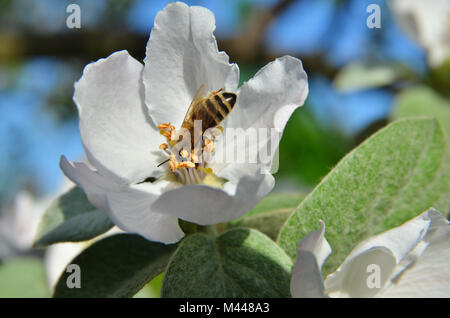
162, 163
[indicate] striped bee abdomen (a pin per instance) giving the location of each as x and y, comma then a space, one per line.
215, 108
226, 101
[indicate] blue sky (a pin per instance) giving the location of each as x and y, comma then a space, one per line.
32, 140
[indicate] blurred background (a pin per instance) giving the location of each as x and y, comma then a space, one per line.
360, 79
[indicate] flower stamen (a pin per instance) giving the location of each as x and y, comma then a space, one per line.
164, 126
188, 167
184, 154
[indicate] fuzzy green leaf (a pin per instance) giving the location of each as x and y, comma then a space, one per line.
276, 201
268, 223
116, 266
239, 263
422, 100
270, 214
396, 174
71, 218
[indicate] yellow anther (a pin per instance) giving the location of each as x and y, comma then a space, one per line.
184, 153
164, 126
173, 166
186, 164
166, 134
194, 157
163, 146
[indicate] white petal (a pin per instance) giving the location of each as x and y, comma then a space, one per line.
389, 251
207, 205
265, 102
130, 210
427, 23
117, 134
306, 278
404, 238
316, 243
355, 276
429, 273
128, 207
182, 55
94, 185
270, 97
428, 277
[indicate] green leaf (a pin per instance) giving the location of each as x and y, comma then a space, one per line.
117, 266
438, 77
359, 76
422, 100
396, 174
276, 201
23, 278
238, 263
270, 214
71, 218
268, 223
309, 149
152, 289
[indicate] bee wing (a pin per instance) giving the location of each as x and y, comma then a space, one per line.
201, 93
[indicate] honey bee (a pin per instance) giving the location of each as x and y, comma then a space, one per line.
210, 110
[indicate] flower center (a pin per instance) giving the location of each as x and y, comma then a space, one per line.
188, 166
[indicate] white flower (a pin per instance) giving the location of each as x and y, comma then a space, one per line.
427, 22
121, 103
412, 260
19, 223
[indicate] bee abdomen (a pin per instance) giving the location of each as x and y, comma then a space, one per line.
213, 110
218, 106
226, 102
